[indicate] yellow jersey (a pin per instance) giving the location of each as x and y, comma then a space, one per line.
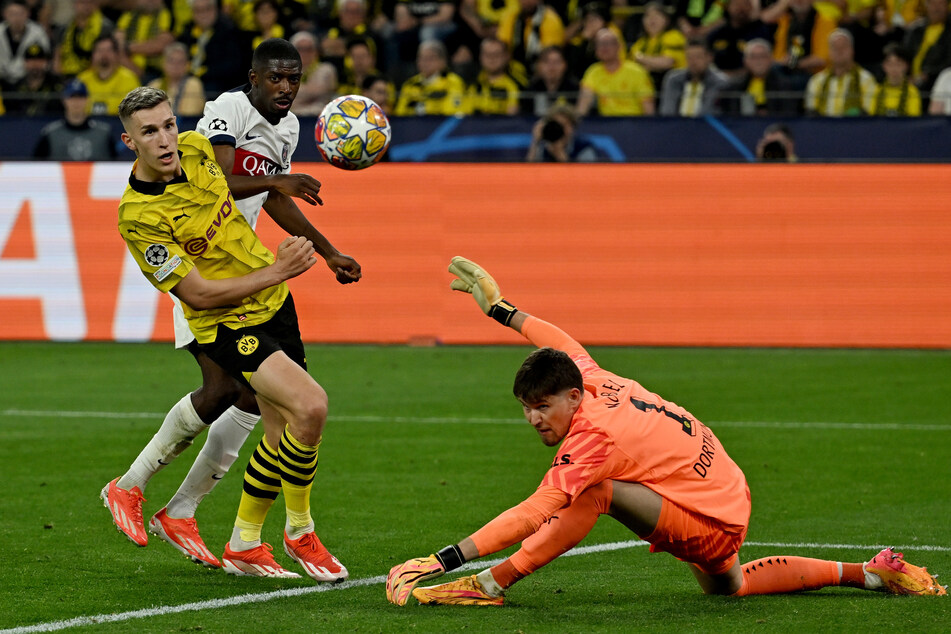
671, 43
622, 92
493, 96
898, 101
140, 27
75, 48
193, 222
442, 94
106, 95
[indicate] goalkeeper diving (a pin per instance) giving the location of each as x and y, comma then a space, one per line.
625, 452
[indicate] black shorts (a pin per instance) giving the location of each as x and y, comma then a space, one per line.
245, 349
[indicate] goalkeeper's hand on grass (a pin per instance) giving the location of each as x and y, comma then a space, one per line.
404, 577
473, 279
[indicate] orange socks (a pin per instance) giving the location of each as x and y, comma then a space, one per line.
775, 575
505, 574
561, 533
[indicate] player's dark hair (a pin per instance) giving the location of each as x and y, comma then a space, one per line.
544, 373
141, 98
274, 49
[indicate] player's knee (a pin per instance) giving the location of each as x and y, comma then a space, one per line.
310, 414
314, 412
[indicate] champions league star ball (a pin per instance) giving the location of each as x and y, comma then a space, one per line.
352, 132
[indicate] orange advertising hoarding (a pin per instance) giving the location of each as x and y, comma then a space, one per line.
725, 255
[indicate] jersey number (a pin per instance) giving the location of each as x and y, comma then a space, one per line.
685, 423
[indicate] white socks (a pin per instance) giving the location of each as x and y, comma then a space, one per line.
239, 545
177, 432
225, 438
296, 532
489, 584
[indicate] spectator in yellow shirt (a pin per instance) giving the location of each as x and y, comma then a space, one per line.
930, 44
495, 91
660, 48
107, 81
266, 22
617, 86
844, 88
434, 90
897, 96
185, 91
143, 34
530, 28
72, 54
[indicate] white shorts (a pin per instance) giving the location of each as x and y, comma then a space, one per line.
183, 334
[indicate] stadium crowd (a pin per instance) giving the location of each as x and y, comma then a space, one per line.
493, 57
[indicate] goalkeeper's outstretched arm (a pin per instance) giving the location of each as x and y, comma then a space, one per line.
510, 527
473, 279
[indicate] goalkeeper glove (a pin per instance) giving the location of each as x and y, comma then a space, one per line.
473, 279
404, 577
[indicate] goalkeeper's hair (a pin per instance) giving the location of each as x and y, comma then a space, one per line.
544, 373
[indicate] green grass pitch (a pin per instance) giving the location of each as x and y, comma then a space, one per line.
845, 451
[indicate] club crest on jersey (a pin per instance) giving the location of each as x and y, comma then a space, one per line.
218, 124
285, 153
247, 344
156, 254
213, 168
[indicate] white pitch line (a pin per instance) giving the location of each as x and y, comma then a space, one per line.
449, 420
243, 599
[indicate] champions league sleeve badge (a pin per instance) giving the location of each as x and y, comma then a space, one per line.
219, 125
156, 254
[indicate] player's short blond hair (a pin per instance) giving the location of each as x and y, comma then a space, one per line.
141, 98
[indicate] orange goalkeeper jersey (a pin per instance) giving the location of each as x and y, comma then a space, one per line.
623, 432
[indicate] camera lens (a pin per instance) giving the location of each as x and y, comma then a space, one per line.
553, 131
774, 151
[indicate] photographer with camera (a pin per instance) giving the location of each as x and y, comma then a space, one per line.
777, 144
554, 140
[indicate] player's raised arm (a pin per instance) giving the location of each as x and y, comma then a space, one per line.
473, 279
294, 256
303, 186
282, 209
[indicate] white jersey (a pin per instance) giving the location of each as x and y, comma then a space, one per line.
259, 149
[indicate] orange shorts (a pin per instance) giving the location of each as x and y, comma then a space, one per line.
707, 543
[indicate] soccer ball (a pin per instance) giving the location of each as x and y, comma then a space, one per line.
352, 132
